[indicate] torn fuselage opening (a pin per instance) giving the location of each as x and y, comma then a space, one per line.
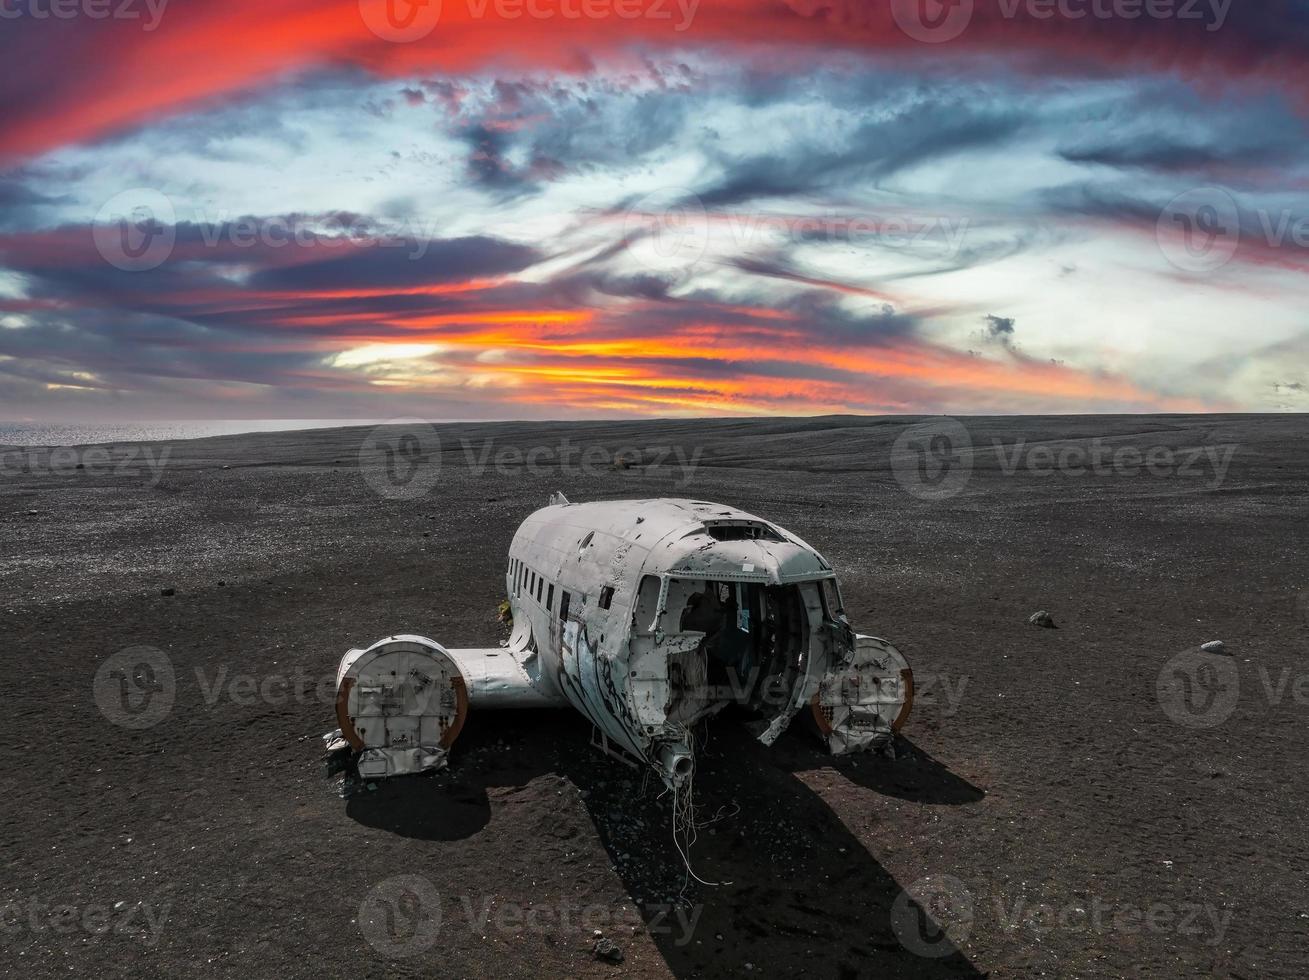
716, 643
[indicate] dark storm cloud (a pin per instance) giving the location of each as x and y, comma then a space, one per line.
401, 264
122, 347
1174, 129
874, 150
22, 206
523, 134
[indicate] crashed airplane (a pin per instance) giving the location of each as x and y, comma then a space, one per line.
647, 616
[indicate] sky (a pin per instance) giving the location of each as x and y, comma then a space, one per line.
609, 208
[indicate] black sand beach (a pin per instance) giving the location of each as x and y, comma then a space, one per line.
1098, 799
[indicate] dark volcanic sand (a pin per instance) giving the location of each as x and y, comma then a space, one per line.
1041, 772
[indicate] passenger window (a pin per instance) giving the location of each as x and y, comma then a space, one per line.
550, 597
563, 607
540, 582
606, 596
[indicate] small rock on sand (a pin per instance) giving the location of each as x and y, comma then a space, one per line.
1214, 646
1042, 619
608, 951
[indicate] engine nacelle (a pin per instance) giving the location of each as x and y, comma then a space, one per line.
400, 705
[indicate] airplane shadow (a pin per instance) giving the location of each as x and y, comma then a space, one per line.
796, 891
453, 804
913, 775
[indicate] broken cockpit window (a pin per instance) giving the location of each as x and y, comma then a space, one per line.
741, 531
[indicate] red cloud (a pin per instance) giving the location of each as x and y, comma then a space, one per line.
67, 81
